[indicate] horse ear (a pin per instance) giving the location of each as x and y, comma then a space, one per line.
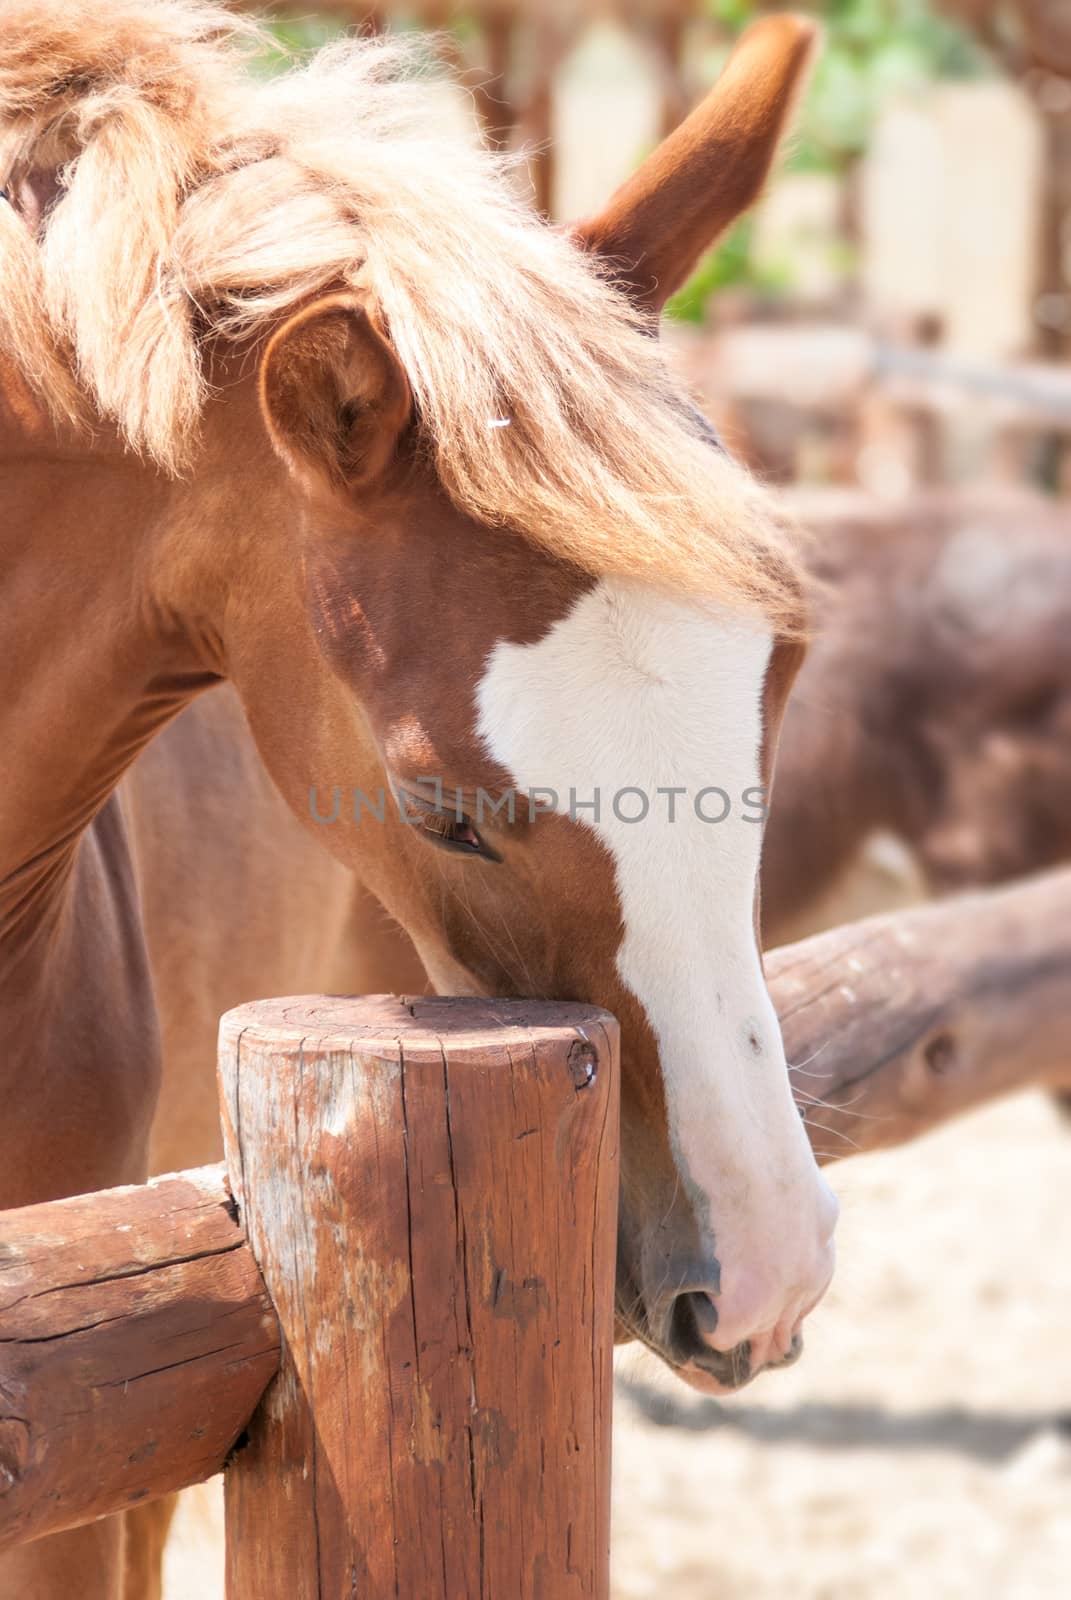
334, 395
709, 170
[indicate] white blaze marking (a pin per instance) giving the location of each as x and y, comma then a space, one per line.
633, 689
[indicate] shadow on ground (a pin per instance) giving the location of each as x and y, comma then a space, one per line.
985, 1435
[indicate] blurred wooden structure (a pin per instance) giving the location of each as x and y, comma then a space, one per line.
513, 96
1041, 39
1032, 41
890, 413
832, 402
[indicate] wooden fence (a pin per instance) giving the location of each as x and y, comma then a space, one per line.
389, 1316
878, 404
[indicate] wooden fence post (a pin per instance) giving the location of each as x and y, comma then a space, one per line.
430, 1190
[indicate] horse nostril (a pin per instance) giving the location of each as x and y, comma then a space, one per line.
705, 1313
795, 1350
692, 1323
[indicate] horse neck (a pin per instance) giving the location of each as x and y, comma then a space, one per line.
131, 593
95, 656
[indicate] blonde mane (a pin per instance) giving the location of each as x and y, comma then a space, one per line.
198, 201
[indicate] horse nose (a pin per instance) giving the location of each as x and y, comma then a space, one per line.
694, 1343
724, 1319
691, 1332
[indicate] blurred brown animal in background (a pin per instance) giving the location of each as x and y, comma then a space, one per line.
935, 702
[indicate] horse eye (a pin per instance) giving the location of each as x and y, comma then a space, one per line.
459, 835
447, 830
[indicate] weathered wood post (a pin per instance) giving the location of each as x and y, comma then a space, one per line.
430, 1190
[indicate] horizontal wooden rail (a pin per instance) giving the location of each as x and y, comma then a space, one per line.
829, 368
899, 1022
136, 1335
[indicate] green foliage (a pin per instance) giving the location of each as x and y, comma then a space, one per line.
872, 49
293, 38
729, 266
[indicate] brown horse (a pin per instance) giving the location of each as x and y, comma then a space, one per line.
293, 395
934, 706
935, 702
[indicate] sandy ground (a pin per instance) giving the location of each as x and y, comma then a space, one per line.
922, 1447
923, 1444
